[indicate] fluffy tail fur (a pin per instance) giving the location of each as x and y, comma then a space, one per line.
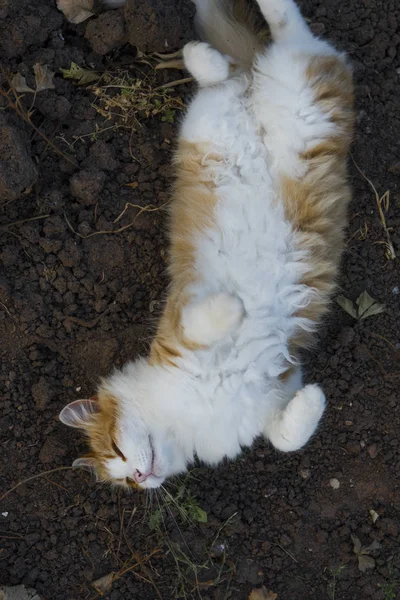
234, 27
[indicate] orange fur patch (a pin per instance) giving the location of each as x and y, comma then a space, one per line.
101, 431
317, 203
191, 212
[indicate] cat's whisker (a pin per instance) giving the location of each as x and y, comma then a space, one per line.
168, 508
183, 512
161, 509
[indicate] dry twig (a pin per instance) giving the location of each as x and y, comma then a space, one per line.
31, 478
380, 201
25, 116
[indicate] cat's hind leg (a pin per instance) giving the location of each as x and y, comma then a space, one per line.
285, 20
290, 428
207, 65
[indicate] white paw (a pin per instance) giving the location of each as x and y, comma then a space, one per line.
206, 65
211, 319
293, 427
308, 404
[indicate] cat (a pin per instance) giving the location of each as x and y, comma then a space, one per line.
257, 223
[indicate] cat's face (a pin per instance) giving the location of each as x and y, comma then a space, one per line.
125, 449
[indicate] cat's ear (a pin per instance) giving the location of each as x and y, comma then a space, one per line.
79, 413
85, 462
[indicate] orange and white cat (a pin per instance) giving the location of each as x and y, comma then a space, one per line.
257, 219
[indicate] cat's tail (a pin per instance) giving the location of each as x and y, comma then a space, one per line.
234, 27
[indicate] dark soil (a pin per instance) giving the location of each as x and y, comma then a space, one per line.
72, 306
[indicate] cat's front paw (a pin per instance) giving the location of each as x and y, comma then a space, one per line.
308, 404
206, 65
291, 429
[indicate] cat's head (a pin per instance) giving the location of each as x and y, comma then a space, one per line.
130, 444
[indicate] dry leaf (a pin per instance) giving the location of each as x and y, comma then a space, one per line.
365, 562
374, 515
362, 552
103, 584
132, 185
262, 594
43, 78
19, 84
371, 548
356, 544
76, 11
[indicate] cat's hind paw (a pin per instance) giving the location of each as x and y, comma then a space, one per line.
207, 65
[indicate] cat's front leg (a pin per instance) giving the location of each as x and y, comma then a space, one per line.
209, 320
290, 428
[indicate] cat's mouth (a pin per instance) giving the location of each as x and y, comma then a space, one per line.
153, 459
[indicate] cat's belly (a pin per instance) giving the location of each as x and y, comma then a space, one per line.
248, 251
251, 252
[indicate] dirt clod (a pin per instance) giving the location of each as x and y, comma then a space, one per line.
52, 450
106, 32
87, 185
158, 25
17, 170
41, 393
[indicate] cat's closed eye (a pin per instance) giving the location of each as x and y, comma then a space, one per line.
118, 451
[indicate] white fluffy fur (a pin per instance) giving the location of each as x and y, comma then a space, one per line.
211, 319
248, 268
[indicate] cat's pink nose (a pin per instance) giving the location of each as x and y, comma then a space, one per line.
140, 477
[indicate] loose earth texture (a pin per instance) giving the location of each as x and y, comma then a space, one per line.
81, 287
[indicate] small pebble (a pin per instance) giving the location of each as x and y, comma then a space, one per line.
304, 473
334, 483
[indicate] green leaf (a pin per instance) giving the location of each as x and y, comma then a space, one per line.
197, 514
364, 300
79, 74
155, 520
347, 305
375, 309
367, 306
181, 492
